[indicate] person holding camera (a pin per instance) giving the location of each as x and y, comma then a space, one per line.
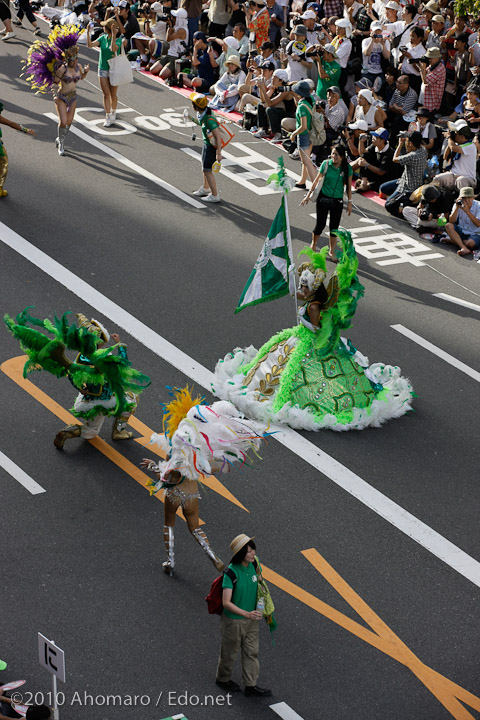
435, 202
459, 158
127, 22
351, 137
463, 229
433, 77
410, 56
375, 164
177, 37
328, 69
335, 115
375, 49
297, 63
204, 62
411, 154
277, 103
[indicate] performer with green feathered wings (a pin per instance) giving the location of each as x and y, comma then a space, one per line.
107, 383
308, 376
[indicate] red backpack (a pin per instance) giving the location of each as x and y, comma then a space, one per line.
214, 597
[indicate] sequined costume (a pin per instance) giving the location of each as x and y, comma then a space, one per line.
107, 384
198, 441
3, 163
308, 377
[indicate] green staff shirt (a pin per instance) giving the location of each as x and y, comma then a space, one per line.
245, 593
105, 42
333, 182
303, 111
333, 71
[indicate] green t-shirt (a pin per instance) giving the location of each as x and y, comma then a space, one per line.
105, 50
333, 182
333, 71
245, 592
208, 123
303, 111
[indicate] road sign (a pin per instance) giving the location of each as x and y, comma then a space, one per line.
51, 657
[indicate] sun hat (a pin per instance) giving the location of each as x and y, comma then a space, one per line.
466, 192
344, 23
329, 48
458, 126
201, 101
368, 95
239, 542
380, 133
432, 7
358, 125
180, 13
282, 74
302, 88
233, 60
433, 52
156, 7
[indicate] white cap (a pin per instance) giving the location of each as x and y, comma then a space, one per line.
156, 7
358, 125
282, 74
232, 42
376, 25
309, 15
180, 13
457, 126
392, 6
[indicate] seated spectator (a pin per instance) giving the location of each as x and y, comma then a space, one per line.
414, 162
257, 76
434, 36
459, 158
297, 65
204, 63
362, 83
177, 37
391, 77
374, 49
367, 110
434, 203
276, 104
230, 46
267, 54
433, 78
240, 34
463, 229
226, 89
411, 52
375, 164
153, 37
471, 108
426, 128
127, 23
403, 101
328, 70
335, 114
352, 134
258, 21
277, 21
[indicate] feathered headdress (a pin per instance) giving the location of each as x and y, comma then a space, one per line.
44, 57
63, 37
315, 271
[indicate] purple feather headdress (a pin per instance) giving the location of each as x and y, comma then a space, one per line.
43, 58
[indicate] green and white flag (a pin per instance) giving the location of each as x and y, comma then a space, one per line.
273, 274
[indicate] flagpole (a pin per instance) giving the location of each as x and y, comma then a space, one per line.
291, 269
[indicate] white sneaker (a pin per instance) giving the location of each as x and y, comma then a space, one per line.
9, 35
113, 116
276, 138
108, 120
295, 155
259, 133
201, 192
37, 31
212, 198
250, 108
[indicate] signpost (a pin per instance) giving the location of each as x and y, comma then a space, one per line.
52, 658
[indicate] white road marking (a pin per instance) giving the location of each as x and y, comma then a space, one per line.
450, 359
285, 711
133, 166
457, 301
307, 451
21, 477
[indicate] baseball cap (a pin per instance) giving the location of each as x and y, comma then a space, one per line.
282, 74
267, 45
180, 13
380, 133
309, 15
201, 101
315, 7
268, 65
300, 30
199, 35
358, 125
393, 6
438, 18
466, 192
335, 89
423, 112
156, 7
376, 25
329, 48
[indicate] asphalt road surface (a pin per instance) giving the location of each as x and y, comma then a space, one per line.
369, 539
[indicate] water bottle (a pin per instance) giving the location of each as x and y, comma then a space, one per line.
261, 605
138, 63
185, 116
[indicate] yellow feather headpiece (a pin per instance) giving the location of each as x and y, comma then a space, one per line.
176, 410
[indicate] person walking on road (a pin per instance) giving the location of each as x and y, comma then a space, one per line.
110, 44
6, 18
240, 620
212, 147
3, 152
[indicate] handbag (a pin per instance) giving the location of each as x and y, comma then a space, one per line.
121, 72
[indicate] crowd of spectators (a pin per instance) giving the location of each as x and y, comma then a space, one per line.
396, 85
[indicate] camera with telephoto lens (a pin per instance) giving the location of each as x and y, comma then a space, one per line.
459, 202
423, 60
317, 50
297, 21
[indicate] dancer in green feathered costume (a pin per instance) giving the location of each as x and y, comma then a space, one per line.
107, 384
308, 376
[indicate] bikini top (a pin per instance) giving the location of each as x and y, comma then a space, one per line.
67, 79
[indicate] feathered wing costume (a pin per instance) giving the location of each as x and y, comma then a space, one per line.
107, 383
310, 377
199, 440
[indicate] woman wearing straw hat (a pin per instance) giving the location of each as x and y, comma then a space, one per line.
240, 620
